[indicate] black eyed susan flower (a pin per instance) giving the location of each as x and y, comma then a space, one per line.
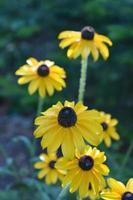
118, 191
109, 129
85, 172
44, 76
46, 165
85, 42
68, 125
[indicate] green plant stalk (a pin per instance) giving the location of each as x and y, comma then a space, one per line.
40, 105
127, 156
82, 81
63, 193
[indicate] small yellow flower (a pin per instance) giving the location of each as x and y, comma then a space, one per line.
42, 75
85, 42
68, 125
118, 191
46, 165
85, 172
109, 129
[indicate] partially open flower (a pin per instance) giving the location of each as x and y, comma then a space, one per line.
68, 125
43, 76
118, 191
46, 165
109, 129
85, 42
85, 172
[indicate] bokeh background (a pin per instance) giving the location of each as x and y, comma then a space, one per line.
30, 28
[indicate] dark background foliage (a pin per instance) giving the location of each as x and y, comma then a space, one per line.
30, 28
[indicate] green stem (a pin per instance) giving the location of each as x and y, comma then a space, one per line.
78, 196
83, 77
127, 156
64, 192
40, 105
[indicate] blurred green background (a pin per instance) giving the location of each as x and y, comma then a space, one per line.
30, 28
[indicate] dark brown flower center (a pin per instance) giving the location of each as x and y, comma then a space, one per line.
43, 70
86, 162
67, 117
87, 33
52, 164
127, 196
105, 126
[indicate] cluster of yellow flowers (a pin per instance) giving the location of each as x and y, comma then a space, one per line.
72, 126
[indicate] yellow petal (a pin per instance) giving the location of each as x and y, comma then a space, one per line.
116, 186
83, 190
32, 61
107, 141
66, 42
57, 78
58, 70
49, 137
49, 87
129, 185
42, 90
103, 50
114, 135
33, 86
39, 165
53, 176
42, 173
77, 139
68, 146
95, 53
90, 133
79, 108
59, 137
110, 195
76, 181
103, 38
67, 179
69, 34
25, 79
69, 104
71, 50
103, 169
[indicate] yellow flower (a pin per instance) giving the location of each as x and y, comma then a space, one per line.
68, 125
47, 168
118, 191
42, 75
109, 129
85, 42
85, 172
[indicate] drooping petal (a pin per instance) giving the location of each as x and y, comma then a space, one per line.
69, 34
33, 86
116, 186
103, 50
129, 185
68, 146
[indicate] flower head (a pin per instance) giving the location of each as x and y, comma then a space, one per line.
118, 191
109, 129
85, 42
68, 125
43, 76
85, 172
46, 165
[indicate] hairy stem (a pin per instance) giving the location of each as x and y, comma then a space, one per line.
40, 105
83, 77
